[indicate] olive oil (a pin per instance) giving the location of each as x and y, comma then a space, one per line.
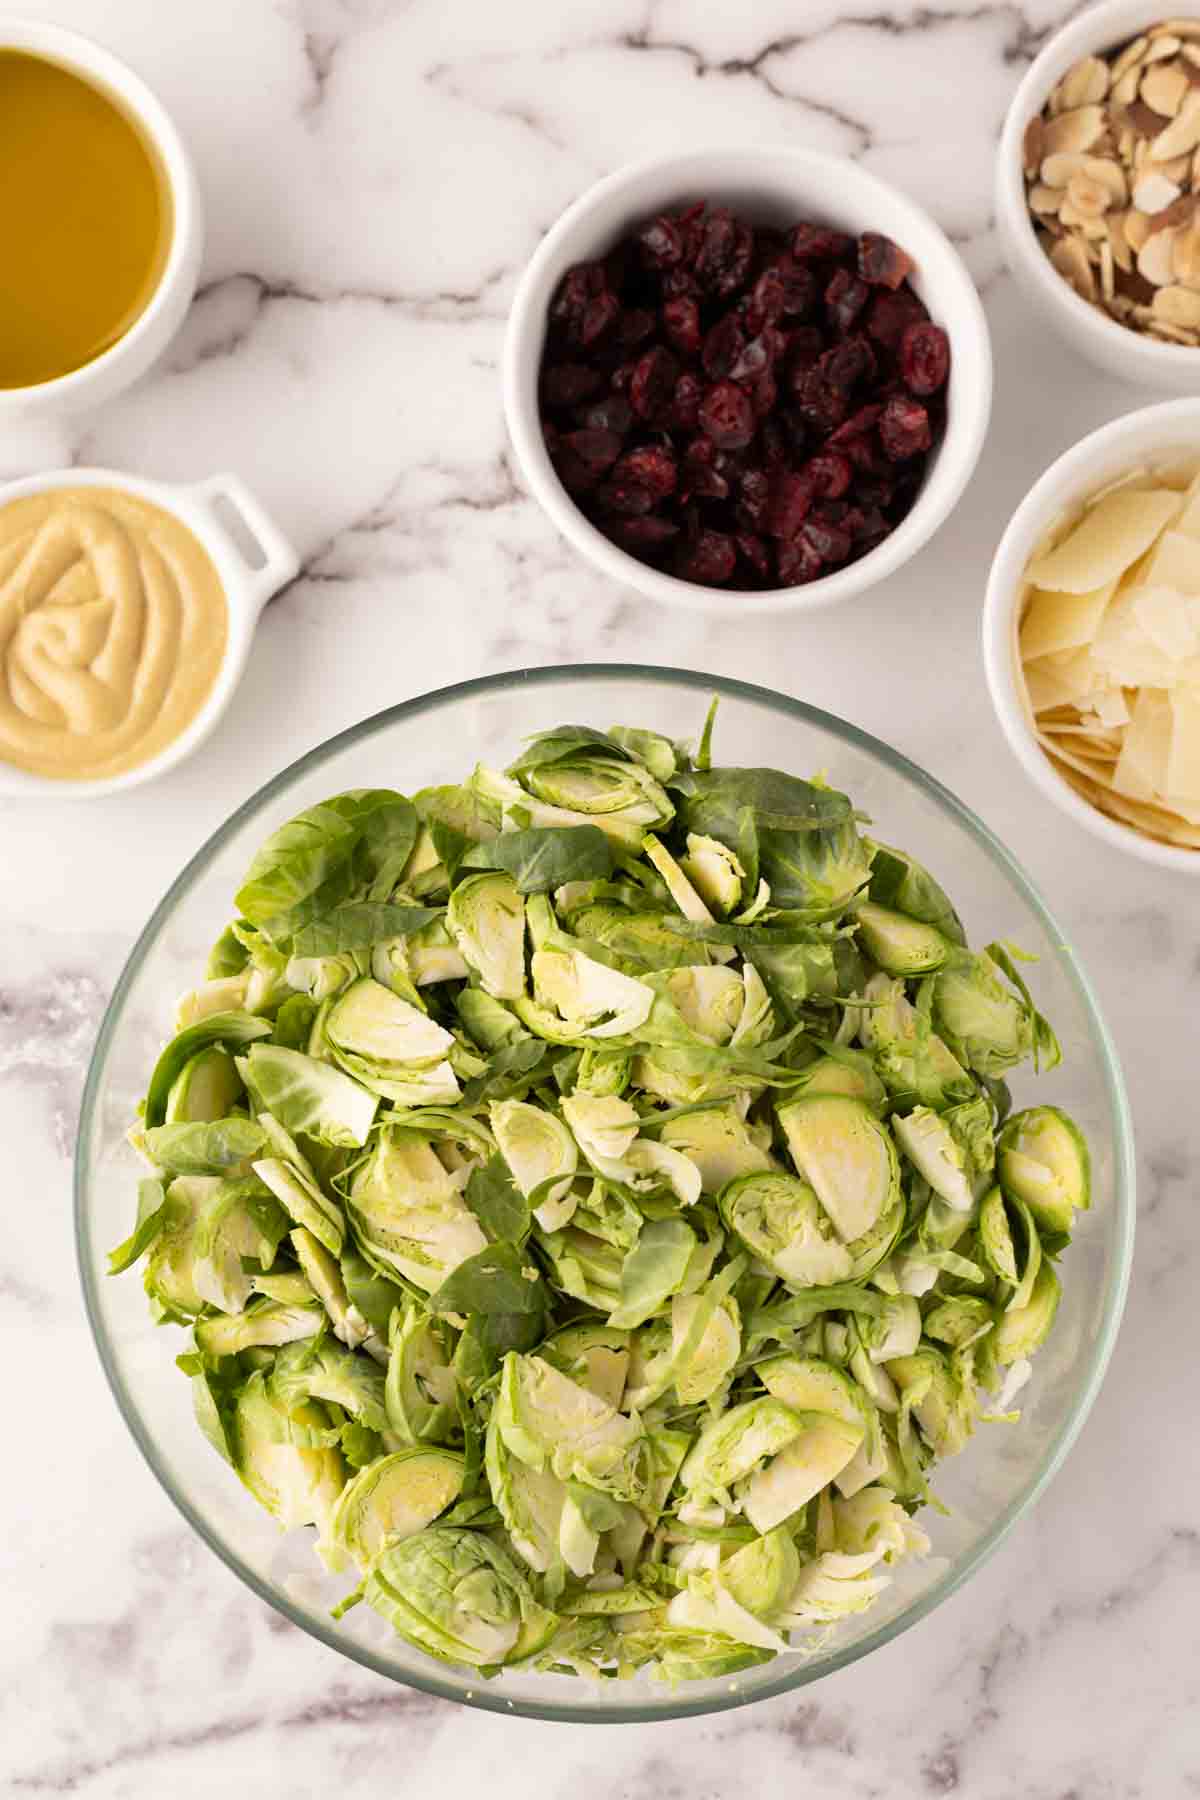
85, 220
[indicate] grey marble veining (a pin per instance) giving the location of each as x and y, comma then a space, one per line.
376, 173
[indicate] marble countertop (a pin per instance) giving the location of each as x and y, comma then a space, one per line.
376, 172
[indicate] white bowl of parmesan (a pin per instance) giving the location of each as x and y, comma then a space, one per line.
1091, 633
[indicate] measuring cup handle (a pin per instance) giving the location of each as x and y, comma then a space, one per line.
279, 561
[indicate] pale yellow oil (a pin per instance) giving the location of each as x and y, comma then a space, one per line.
85, 220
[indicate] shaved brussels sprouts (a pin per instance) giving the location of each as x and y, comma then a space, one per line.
593, 1200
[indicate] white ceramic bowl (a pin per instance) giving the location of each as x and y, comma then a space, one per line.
153, 329
253, 559
1115, 348
1157, 433
771, 186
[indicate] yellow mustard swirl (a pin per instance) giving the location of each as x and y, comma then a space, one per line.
113, 627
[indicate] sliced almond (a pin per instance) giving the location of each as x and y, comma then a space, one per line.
1083, 85
1107, 272
1181, 135
1155, 259
1178, 170
1124, 89
1058, 170
1043, 199
1180, 28
1079, 130
1152, 192
1033, 145
1104, 169
1164, 87
1185, 257
1162, 47
1117, 241
1132, 54
1070, 259
1178, 306
1138, 227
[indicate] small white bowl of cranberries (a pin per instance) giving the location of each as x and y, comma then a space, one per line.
752, 380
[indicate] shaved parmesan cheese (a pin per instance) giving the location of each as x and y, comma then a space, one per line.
1058, 621
1182, 781
1174, 562
1112, 708
1124, 651
1107, 540
1141, 773
1110, 651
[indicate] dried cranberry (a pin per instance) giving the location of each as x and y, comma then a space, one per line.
829, 474
722, 346
811, 243
753, 550
904, 428
685, 406
634, 326
889, 315
882, 263
576, 475
845, 298
613, 413
777, 439
796, 563
566, 384
848, 363
924, 358
698, 476
579, 285
723, 255
599, 316
652, 385
661, 243
804, 346
628, 497
857, 425
832, 543
763, 394
652, 467
821, 403
754, 498
863, 452
650, 533
727, 415
876, 489
681, 322
708, 559
791, 499
598, 449
867, 526
758, 355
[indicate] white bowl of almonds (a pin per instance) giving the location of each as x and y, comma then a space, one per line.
1091, 633
1098, 189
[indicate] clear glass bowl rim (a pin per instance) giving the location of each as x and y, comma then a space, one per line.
677, 1706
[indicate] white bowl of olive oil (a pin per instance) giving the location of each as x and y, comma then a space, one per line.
102, 235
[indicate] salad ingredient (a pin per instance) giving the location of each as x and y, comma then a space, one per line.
113, 623
1112, 183
1110, 650
607, 1295
741, 406
85, 219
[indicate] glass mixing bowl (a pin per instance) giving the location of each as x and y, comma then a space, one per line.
438, 738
